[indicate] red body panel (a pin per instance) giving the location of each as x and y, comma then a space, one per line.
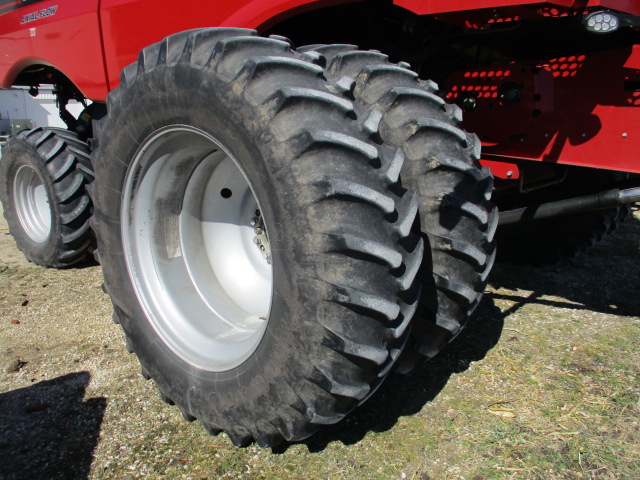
629, 6
68, 40
580, 118
573, 110
432, 7
122, 21
129, 25
71, 39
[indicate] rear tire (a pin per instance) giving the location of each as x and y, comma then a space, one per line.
218, 116
43, 175
549, 241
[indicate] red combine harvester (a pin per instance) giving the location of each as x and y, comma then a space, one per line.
283, 194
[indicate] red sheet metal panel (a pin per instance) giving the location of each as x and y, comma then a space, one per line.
130, 25
432, 7
64, 34
579, 110
70, 39
629, 6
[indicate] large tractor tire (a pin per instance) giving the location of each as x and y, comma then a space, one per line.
255, 241
457, 218
43, 175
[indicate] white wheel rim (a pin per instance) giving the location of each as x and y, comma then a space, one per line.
32, 204
187, 231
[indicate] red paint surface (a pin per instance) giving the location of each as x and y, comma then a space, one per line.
584, 114
68, 40
71, 39
573, 110
431, 7
502, 169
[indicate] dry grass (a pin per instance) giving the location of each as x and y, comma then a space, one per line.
545, 384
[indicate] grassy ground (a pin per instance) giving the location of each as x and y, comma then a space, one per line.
545, 384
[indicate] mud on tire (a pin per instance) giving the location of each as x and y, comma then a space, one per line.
456, 216
205, 117
43, 175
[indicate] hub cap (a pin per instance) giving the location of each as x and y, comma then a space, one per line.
32, 204
191, 251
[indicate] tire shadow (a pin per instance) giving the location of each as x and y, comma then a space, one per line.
402, 395
48, 431
604, 279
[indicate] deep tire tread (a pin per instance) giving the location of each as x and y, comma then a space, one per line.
441, 166
338, 187
350, 243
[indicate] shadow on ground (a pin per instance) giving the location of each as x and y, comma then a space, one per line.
402, 395
48, 431
593, 281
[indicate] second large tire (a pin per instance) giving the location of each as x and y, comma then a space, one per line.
255, 242
442, 166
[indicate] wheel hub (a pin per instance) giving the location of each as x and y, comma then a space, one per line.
32, 204
191, 249
261, 240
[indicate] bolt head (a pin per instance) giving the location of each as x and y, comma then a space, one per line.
469, 103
